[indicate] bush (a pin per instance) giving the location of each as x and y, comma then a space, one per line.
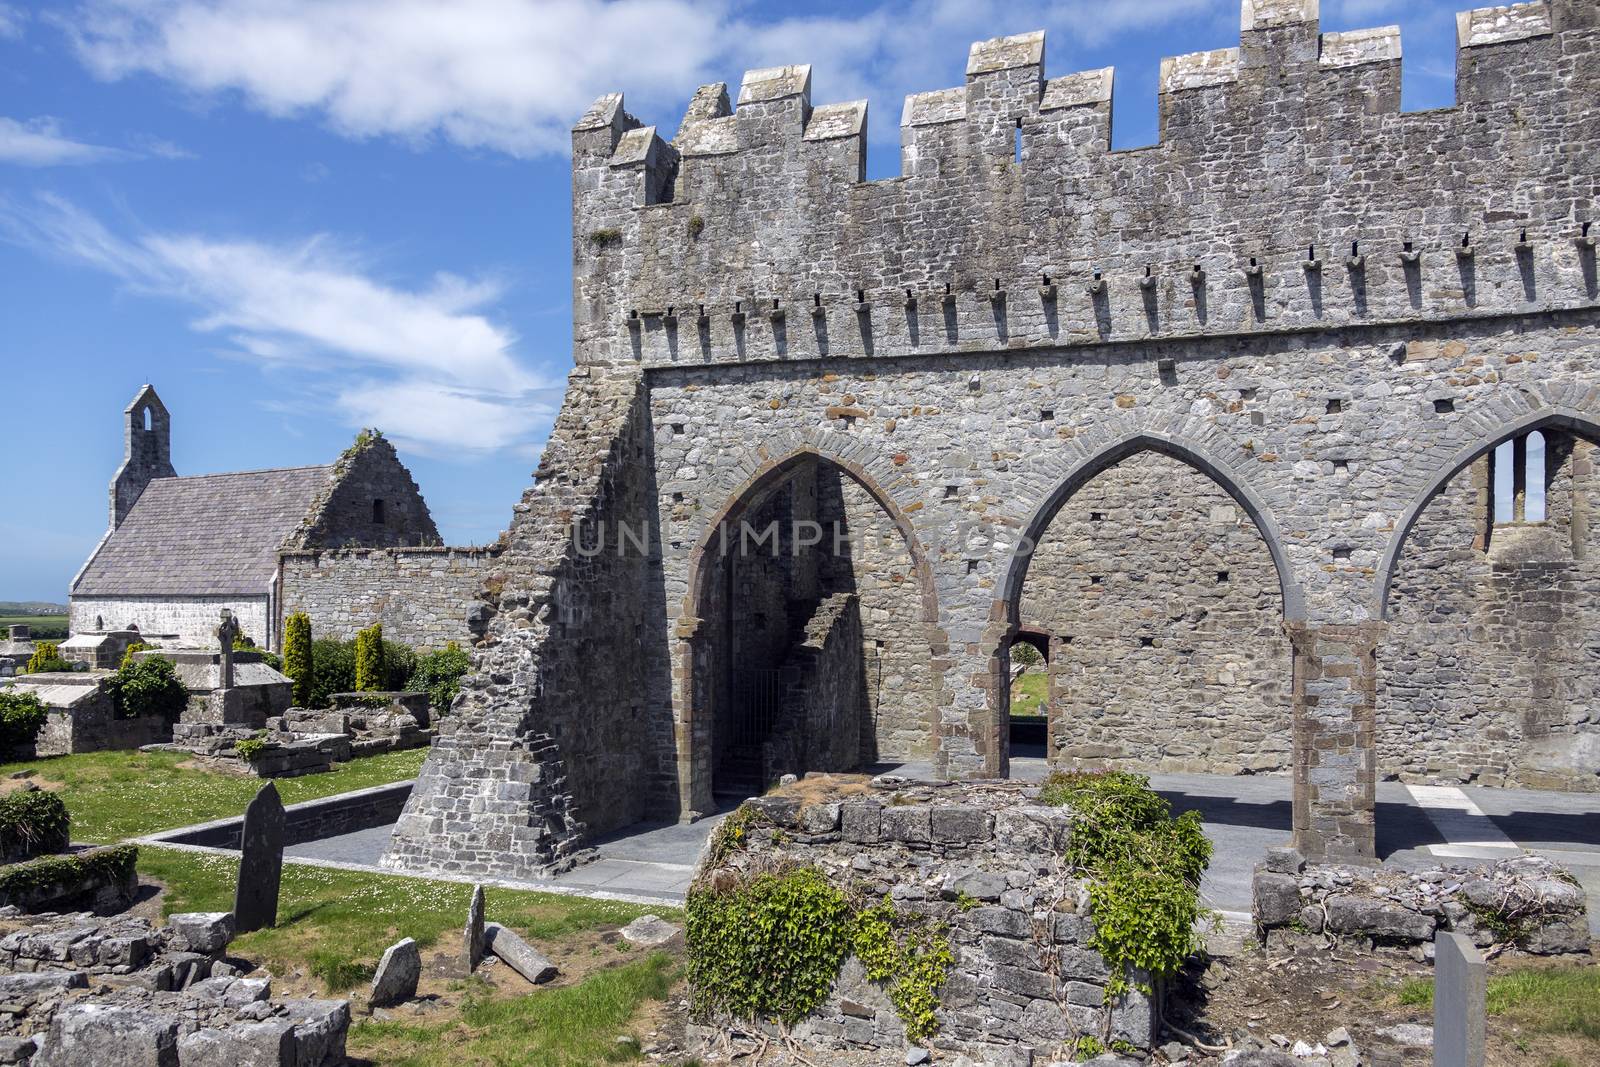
333, 670
148, 687
370, 674
46, 659
33, 823
249, 748
439, 674
242, 643
1144, 868
399, 664
21, 716
132, 650
297, 652
113, 866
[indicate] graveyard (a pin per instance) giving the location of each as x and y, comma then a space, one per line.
1052, 601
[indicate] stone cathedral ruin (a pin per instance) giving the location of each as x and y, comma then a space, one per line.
1276, 435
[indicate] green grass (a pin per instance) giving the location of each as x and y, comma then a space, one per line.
573, 1026
1554, 1000
335, 924
46, 627
117, 795
1028, 692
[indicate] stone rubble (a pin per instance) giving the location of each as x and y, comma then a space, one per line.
80, 989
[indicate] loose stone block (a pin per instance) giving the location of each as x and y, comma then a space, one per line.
206, 932
86, 1033
397, 975
255, 899
1275, 898
517, 954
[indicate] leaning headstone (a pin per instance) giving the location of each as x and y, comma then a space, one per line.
1460, 983
472, 936
397, 974
517, 954
255, 901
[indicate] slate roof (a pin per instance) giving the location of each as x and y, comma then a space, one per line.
205, 535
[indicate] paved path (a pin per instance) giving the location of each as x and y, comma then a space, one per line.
1418, 826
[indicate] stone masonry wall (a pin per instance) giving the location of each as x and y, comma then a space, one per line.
1166, 619
371, 501
1488, 673
192, 619
421, 595
820, 724
983, 861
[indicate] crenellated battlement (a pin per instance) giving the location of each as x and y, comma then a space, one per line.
1287, 191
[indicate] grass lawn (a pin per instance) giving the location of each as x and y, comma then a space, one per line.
334, 925
1560, 1002
573, 1026
116, 795
1029, 691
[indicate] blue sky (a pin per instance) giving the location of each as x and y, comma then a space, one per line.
300, 217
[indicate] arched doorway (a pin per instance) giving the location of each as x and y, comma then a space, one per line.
1029, 697
1487, 671
810, 649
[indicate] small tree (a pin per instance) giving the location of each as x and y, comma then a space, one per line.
47, 658
297, 656
370, 676
148, 687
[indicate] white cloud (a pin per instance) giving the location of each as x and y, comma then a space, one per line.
512, 75
427, 363
40, 143
11, 21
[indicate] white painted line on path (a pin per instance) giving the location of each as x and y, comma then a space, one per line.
1467, 831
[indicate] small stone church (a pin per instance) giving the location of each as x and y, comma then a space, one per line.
180, 549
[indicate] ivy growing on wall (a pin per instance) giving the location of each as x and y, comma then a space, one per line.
911, 956
1144, 869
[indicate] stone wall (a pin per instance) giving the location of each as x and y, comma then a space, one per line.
1488, 673
421, 595
192, 620
1166, 623
310, 820
822, 720
983, 862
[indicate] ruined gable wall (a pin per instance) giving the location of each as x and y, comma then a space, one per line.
1159, 663
344, 515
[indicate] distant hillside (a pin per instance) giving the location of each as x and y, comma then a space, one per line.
31, 607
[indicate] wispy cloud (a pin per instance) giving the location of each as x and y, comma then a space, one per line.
40, 143
512, 75
426, 363
11, 19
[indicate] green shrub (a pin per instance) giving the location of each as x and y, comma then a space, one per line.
912, 956
148, 687
1025, 655
1144, 868
21, 716
769, 948
46, 659
333, 670
33, 823
399, 664
370, 674
132, 650
250, 747
115, 865
439, 675
297, 656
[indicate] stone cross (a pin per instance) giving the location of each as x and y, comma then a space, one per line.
227, 630
255, 900
1459, 987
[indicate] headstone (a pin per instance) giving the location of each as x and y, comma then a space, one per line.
255, 901
517, 954
397, 974
472, 936
1459, 985
226, 631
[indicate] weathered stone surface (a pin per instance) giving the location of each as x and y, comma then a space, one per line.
1275, 898
472, 935
206, 932
517, 954
397, 975
255, 899
106, 1036
650, 931
1459, 1011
